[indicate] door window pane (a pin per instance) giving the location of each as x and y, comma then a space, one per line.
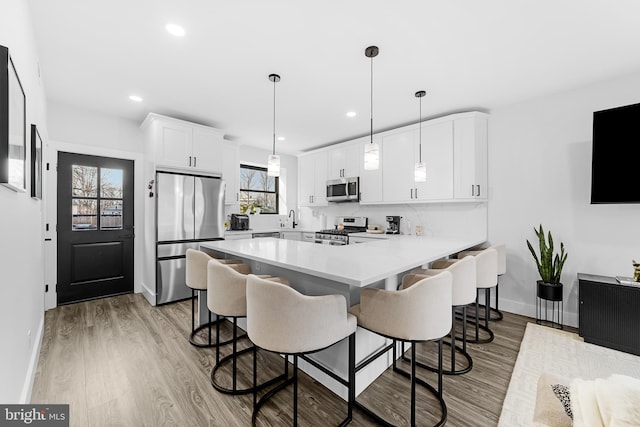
111, 214
84, 181
111, 183
84, 214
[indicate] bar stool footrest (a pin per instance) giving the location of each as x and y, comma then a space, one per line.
462, 371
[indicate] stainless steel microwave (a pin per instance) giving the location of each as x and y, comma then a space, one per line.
343, 190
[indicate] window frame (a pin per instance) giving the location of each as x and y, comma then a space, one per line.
244, 190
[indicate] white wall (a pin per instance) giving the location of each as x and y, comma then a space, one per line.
21, 247
288, 184
80, 126
539, 173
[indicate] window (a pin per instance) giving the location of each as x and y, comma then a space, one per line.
96, 188
258, 192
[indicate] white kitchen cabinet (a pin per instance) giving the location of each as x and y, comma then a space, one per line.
398, 163
237, 236
343, 161
437, 154
401, 151
470, 157
312, 179
183, 145
231, 173
207, 149
370, 180
291, 235
309, 237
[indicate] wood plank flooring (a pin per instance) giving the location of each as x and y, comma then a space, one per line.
120, 362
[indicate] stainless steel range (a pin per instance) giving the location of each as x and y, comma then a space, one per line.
339, 235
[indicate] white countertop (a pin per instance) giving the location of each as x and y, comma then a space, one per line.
356, 265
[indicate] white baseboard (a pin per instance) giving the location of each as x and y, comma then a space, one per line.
517, 307
149, 294
27, 388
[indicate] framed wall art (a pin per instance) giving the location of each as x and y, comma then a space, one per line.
13, 123
36, 163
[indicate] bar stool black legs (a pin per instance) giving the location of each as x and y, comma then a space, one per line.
195, 331
233, 358
437, 393
478, 326
349, 383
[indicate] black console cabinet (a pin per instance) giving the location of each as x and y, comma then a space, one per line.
609, 313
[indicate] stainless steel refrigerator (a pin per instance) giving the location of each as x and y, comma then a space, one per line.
189, 210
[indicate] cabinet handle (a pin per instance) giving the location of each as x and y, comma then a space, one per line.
237, 197
195, 159
473, 190
416, 193
412, 193
189, 161
478, 190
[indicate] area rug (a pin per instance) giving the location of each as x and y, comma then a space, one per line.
561, 353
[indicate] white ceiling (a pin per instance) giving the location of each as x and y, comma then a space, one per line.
467, 54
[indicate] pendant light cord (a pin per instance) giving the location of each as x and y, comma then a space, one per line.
371, 101
274, 116
420, 128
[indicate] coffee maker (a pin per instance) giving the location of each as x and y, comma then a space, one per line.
394, 224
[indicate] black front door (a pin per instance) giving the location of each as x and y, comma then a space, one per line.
95, 227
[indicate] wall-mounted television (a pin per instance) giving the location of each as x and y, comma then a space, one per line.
615, 171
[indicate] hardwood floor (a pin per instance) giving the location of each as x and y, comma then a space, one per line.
119, 361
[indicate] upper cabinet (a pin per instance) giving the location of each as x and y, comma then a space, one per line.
453, 148
437, 155
402, 150
343, 161
398, 162
231, 174
370, 180
182, 145
312, 179
470, 155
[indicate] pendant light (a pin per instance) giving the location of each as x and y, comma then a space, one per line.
273, 163
371, 150
420, 173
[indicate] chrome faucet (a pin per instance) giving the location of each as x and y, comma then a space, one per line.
294, 217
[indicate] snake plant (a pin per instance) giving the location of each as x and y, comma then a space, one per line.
549, 265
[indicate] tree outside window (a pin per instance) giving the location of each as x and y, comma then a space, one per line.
258, 191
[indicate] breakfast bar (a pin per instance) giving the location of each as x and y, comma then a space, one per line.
315, 269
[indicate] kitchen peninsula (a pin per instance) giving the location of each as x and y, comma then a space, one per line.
315, 269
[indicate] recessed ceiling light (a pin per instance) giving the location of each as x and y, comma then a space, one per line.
135, 98
351, 114
175, 30
281, 138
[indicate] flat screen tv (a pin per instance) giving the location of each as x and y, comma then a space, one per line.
615, 171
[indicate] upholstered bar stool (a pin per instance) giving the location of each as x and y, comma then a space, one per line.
463, 274
501, 250
419, 311
282, 320
196, 280
227, 296
486, 278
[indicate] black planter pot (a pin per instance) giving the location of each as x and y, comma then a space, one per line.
549, 291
